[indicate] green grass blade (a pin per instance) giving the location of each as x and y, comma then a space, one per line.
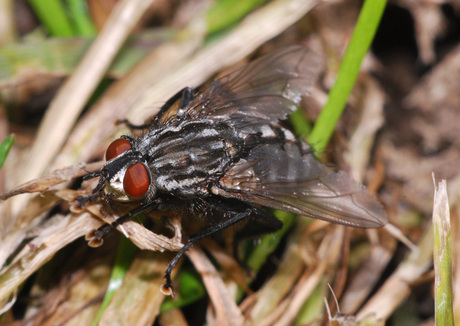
52, 15
81, 19
5, 149
313, 308
442, 257
224, 13
268, 243
360, 42
125, 255
59, 56
300, 123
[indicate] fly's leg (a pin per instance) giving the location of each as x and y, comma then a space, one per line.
259, 224
185, 95
95, 237
167, 288
130, 125
82, 201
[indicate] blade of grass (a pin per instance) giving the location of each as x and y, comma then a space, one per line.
125, 256
52, 15
268, 243
300, 123
79, 15
5, 149
313, 307
360, 42
442, 256
58, 57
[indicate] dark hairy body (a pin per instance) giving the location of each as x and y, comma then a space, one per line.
221, 154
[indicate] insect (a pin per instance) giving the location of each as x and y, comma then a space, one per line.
222, 155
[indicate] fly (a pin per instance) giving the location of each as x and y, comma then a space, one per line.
221, 154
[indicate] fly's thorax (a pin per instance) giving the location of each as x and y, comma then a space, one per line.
186, 157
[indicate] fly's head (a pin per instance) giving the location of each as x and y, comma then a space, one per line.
125, 176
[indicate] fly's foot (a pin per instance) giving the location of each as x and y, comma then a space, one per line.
83, 200
95, 237
167, 288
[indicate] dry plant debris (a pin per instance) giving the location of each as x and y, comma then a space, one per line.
400, 125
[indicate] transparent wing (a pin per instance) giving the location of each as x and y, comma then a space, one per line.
267, 88
289, 178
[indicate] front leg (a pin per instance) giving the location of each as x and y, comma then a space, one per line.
95, 237
82, 201
130, 125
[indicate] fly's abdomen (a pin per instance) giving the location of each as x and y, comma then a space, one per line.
188, 156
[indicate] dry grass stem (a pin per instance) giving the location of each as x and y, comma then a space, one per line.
52, 179
362, 140
42, 248
228, 264
226, 311
398, 286
70, 101
270, 296
328, 255
365, 279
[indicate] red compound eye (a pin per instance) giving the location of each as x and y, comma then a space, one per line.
117, 147
136, 181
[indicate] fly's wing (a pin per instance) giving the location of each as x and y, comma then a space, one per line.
266, 89
288, 177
